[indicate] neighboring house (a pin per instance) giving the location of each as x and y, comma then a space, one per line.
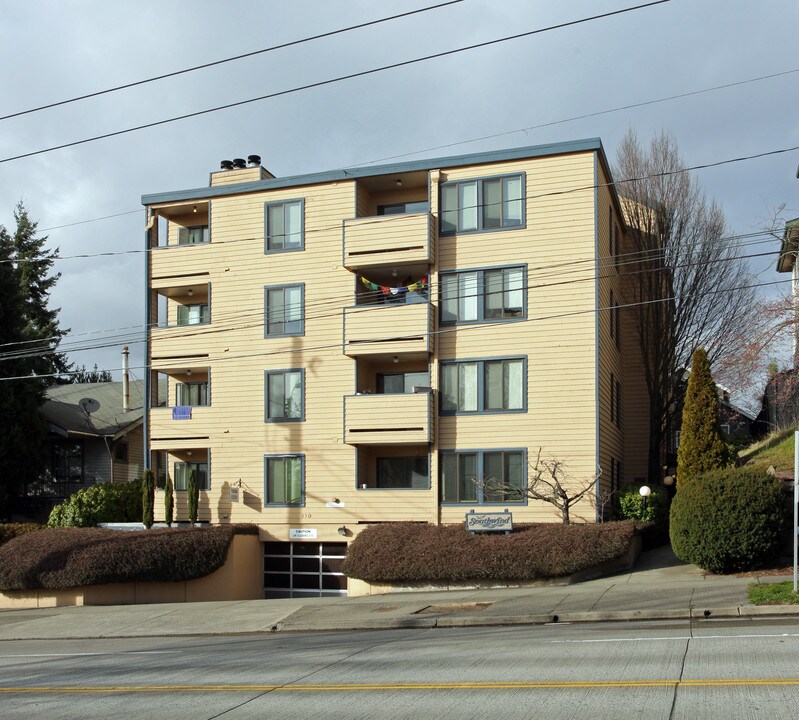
780, 405
365, 345
787, 263
102, 445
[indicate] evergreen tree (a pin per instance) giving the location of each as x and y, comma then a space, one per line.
148, 499
169, 501
22, 429
194, 496
81, 375
34, 263
702, 447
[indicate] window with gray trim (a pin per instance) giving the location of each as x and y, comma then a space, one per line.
284, 395
484, 204
483, 477
483, 386
194, 394
483, 295
197, 235
409, 473
283, 225
182, 471
284, 310
284, 479
198, 314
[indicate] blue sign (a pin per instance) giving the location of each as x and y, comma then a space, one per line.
181, 412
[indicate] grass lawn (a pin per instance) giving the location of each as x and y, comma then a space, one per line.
776, 450
773, 594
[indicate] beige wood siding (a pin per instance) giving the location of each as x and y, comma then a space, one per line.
388, 419
388, 329
389, 239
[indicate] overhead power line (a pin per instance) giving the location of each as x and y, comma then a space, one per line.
340, 78
194, 68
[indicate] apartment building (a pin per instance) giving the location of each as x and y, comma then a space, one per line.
366, 345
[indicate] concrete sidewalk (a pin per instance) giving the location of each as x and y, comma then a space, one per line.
659, 587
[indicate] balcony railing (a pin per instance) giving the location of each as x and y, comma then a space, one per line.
388, 329
402, 419
394, 240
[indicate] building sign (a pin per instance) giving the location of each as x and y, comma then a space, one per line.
489, 522
302, 534
181, 412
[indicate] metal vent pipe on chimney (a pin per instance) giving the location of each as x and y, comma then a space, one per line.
125, 380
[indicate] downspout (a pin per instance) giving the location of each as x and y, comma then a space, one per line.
125, 380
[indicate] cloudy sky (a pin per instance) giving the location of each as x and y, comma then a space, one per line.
58, 50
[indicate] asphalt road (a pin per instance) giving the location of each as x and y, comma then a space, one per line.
708, 669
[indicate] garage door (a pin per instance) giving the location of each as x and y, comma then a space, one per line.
304, 569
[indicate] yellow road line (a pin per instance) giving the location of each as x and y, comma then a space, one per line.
387, 687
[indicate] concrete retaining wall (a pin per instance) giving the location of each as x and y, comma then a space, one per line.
240, 578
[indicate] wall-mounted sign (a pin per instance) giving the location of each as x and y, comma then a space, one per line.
302, 534
181, 412
235, 494
489, 522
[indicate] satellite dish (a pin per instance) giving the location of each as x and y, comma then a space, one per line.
89, 405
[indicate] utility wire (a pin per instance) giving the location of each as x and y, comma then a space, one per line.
331, 81
194, 68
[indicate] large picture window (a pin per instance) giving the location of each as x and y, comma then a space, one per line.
284, 479
283, 223
284, 310
479, 386
486, 204
182, 471
403, 473
483, 477
284, 395
483, 295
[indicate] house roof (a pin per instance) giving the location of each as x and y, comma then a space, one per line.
531, 151
66, 417
789, 247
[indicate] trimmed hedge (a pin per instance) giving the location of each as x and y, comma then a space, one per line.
105, 502
58, 558
412, 552
8, 531
728, 520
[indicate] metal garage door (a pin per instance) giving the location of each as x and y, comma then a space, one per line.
304, 569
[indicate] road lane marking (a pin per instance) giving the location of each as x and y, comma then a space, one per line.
387, 687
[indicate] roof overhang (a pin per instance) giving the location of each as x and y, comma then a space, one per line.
789, 247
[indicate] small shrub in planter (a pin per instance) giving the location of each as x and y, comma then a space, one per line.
728, 520
107, 502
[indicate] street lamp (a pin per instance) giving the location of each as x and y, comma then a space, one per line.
644, 491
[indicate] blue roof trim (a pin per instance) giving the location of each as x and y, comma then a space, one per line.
532, 151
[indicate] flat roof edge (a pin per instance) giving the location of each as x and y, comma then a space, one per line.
532, 151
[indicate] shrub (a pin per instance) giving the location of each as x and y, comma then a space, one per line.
8, 531
702, 447
169, 501
193, 496
631, 505
410, 552
71, 557
148, 499
107, 502
728, 520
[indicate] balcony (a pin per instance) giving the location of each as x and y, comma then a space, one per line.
389, 330
393, 240
402, 419
165, 431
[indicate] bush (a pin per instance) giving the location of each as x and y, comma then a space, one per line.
107, 502
169, 501
411, 552
148, 499
57, 558
728, 520
631, 505
193, 493
8, 531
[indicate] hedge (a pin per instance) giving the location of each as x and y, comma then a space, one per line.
104, 502
58, 558
412, 552
8, 531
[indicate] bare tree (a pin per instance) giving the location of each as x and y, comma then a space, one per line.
547, 480
685, 285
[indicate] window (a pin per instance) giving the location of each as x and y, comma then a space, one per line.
615, 400
483, 386
478, 205
194, 394
121, 452
194, 314
403, 473
284, 310
194, 235
390, 383
67, 462
615, 474
483, 477
183, 470
284, 479
615, 321
404, 208
283, 223
483, 295
284, 395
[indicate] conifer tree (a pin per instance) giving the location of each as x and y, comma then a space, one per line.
169, 501
148, 499
702, 447
193, 496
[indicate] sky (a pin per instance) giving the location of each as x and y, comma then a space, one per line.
483, 99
